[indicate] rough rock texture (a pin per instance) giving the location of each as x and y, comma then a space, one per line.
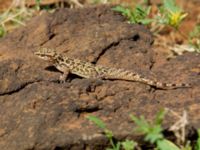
36, 112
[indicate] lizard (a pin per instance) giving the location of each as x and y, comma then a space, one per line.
89, 70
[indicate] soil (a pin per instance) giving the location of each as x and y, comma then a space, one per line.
37, 112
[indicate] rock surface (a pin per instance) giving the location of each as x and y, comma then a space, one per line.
36, 112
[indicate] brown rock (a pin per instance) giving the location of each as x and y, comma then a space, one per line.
36, 112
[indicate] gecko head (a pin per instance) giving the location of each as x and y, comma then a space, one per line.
46, 54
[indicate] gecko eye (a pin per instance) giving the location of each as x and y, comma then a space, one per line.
44, 57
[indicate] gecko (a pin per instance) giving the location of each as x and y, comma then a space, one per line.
88, 70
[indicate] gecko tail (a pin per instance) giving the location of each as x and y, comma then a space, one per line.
131, 76
162, 85
171, 85
128, 75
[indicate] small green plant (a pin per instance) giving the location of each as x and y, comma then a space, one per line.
171, 14
139, 14
13, 17
153, 131
194, 38
126, 145
16, 16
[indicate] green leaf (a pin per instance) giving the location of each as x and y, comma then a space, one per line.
142, 125
194, 38
196, 32
117, 147
187, 146
122, 10
129, 145
108, 134
146, 21
166, 145
2, 31
160, 116
154, 134
97, 121
37, 6
171, 6
137, 15
197, 146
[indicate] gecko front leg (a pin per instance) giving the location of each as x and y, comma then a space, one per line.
64, 76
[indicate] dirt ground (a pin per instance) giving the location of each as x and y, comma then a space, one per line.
37, 112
